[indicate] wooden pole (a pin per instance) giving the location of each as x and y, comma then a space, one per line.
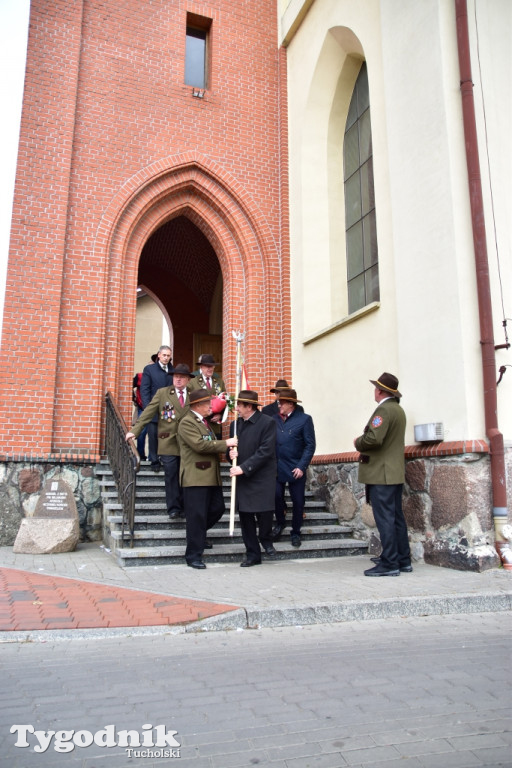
239, 338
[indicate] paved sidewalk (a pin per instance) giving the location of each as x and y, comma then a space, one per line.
224, 596
31, 601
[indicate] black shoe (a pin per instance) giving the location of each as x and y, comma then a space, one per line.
269, 550
173, 515
295, 540
247, 563
208, 544
403, 568
277, 531
379, 570
156, 466
197, 564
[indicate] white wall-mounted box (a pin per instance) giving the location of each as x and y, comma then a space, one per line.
428, 432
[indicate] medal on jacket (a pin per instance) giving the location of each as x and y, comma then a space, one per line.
167, 414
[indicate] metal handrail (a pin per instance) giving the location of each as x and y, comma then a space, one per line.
124, 462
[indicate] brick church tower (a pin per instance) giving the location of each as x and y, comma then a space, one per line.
153, 151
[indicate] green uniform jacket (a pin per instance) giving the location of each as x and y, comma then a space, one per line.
165, 403
199, 382
382, 446
199, 451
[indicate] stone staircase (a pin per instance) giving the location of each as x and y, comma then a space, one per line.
160, 541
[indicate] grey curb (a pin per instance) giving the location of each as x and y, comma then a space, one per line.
329, 613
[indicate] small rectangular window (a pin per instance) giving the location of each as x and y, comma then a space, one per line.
196, 51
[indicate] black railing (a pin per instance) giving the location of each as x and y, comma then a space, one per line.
124, 462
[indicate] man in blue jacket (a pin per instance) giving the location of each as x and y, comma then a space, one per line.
295, 447
155, 376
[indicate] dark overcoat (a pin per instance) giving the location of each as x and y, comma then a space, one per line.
255, 489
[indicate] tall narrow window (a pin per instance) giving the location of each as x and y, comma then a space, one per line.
196, 51
361, 231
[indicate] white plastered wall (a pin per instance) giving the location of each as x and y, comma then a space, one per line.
426, 327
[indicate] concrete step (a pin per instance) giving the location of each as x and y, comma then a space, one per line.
157, 521
222, 553
158, 540
312, 510
169, 536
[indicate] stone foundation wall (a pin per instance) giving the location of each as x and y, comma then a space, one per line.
447, 506
20, 487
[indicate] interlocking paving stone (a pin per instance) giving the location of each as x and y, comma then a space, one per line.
31, 601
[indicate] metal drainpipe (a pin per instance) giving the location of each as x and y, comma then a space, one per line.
496, 448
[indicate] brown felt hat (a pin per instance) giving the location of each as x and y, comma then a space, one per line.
289, 395
183, 370
248, 396
280, 384
388, 383
199, 396
206, 360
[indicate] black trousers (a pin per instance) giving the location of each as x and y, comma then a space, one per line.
297, 490
153, 441
203, 506
386, 501
173, 492
252, 524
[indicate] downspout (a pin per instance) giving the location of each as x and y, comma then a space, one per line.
496, 447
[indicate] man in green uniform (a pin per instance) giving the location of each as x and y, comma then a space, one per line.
382, 469
170, 404
207, 379
200, 451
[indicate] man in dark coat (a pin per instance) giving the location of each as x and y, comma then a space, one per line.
382, 470
295, 447
256, 475
155, 376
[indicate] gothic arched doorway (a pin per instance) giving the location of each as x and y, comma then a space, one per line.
187, 220
179, 266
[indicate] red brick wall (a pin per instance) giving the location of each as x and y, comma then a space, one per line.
112, 146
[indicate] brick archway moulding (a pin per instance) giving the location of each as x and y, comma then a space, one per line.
255, 273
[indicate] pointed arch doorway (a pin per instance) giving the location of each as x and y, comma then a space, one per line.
180, 271
225, 262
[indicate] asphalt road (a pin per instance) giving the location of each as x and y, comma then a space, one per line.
430, 692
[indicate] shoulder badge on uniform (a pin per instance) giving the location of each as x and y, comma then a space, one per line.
376, 421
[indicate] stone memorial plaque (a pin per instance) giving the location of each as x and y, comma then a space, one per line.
56, 500
54, 525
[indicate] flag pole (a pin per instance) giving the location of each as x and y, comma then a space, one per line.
238, 338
